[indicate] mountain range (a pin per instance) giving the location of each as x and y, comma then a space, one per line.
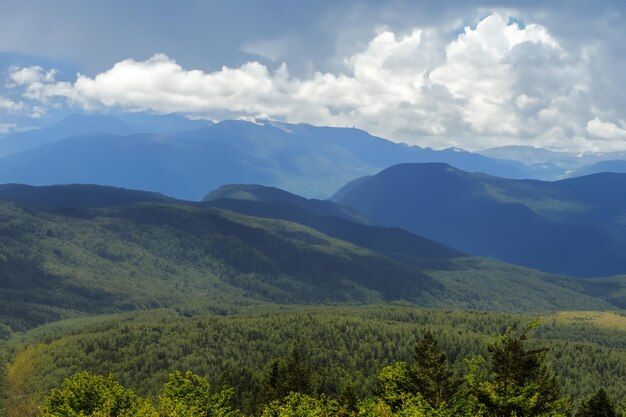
401, 228
574, 226
142, 152
117, 253
546, 164
184, 158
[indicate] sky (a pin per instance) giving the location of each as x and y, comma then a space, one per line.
467, 74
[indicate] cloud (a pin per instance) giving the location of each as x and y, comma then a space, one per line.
29, 75
272, 49
606, 130
494, 84
7, 128
11, 106
480, 72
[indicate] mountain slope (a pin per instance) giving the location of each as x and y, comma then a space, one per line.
75, 196
62, 263
572, 227
149, 255
74, 125
96, 124
617, 166
307, 160
334, 220
264, 194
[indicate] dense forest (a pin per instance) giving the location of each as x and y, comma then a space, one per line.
333, 358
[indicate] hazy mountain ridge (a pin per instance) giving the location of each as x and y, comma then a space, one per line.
304, 159
264, 194
571, 226
616, 166
75, 196
96, 124
547, 164
335, 220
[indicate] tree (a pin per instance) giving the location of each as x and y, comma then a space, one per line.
395, 385
432, 375
290, 374
190, 395
519, 383
429, 378
94, 395
297, 404
599, 405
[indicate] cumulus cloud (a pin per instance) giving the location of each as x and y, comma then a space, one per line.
11, 106
19, 76
494, 84
606, 130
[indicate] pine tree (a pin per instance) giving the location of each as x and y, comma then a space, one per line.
599, 405
433, 378
520, 383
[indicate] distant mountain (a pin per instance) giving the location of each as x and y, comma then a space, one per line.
531, 155
307, 160
264, 194
163, 124
75, 196
181, 168
546, 164
74, 125
96, 124
334, 220
618, 166
572, 227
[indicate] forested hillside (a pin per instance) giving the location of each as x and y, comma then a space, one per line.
336, 353
64, 262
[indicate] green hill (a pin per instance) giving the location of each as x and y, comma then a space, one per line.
334, 220
152, 255
75, 196
62, 263
264, 194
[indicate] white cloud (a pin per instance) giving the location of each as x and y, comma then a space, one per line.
19, 76
11, 106
605, 130
21, 108
494, 84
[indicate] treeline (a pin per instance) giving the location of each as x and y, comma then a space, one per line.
513, 380
345, 348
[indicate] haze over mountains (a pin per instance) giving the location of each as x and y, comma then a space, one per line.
572, 227
308, 160
547, 164
184, 158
